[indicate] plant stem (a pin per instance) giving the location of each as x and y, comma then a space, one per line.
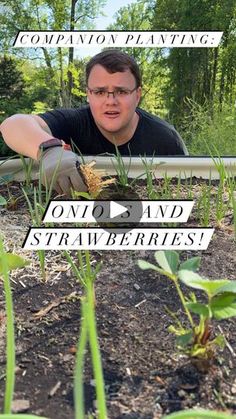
95, 353
10, 338
88, 332
74, 268
81, 265
79, 366
181, 296
41, 256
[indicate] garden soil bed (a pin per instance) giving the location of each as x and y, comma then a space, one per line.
145, 376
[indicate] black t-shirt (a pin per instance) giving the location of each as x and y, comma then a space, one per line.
153, 136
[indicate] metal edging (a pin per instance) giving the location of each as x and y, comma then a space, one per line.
184, 167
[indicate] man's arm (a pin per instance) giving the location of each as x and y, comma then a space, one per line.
24, 133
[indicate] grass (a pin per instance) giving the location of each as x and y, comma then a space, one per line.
202, 128
232, 188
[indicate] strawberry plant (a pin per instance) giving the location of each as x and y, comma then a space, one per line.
197, 339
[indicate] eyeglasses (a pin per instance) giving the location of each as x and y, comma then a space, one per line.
117, 93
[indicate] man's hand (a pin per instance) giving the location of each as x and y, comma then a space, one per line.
61, 167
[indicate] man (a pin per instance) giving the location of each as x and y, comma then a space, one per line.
111, 119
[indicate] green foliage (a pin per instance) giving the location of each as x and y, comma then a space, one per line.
200, 74
168, 261
12, 261
138, 16
3, 201
193, 280
196, 341
50, 15
11, 80
203, 128
12, 88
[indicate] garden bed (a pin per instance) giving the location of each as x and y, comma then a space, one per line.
145, 376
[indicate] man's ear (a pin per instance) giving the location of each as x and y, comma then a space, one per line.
87, 98
139, 94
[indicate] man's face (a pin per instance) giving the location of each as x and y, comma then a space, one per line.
115, 114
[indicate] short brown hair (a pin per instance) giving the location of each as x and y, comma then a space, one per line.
115, 61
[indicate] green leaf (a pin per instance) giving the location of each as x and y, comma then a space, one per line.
178, 331
192, 279
198, 351
191, 264
223, 306
6, 178
85, 195
198, 308
146, 265
13, 262
174, 330
184, 339
230, 286
219, 341
199, 414
168, 260
2, 200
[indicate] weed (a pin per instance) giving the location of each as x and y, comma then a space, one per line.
232, 191
178, 187
204, 204
149, 171
11, 201
221, 206
166, 192
190, 186
122, 171
27, 165
150, 177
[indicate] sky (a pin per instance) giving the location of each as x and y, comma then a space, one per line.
110, 9
112, 6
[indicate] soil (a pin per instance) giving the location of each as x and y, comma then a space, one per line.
145, 376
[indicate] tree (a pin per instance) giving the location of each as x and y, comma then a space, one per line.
11, 90
138, 16
12, 85
49, 15
200, 74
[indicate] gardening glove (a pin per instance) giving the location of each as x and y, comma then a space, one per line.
61, 167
